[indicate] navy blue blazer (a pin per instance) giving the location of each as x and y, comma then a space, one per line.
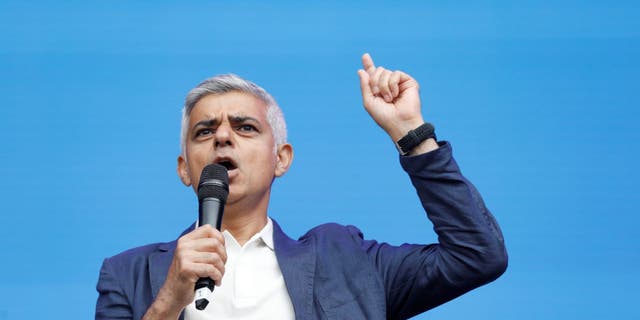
332, 272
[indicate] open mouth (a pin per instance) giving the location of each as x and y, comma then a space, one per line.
227, 163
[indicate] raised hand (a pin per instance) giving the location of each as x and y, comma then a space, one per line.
390, 97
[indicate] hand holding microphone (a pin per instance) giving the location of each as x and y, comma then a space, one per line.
200, 255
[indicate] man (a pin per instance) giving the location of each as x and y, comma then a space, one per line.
329, 273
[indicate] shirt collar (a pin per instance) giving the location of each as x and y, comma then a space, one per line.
266, 234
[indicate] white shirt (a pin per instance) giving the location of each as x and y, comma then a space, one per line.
252, 285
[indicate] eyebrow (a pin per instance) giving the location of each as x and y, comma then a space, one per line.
242, 119
233, 119
206, 123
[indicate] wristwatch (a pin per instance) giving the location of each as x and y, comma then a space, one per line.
415, 137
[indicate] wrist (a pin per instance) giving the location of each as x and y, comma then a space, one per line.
162, 308
418, 140
426, 146
398, 131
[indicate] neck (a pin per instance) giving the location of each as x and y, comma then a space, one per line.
244, 221
244, 227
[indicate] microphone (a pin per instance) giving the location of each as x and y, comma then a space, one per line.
213, 191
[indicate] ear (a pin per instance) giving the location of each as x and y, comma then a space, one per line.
183, 171
284, 158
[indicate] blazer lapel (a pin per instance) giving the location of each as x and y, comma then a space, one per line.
160, 261
297, 261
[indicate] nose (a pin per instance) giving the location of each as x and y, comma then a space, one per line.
223, 135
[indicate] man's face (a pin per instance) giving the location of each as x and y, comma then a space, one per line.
232, 129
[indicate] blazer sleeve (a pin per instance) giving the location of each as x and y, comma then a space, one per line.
112, 301
470, 251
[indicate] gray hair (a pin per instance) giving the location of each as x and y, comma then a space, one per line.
226, 83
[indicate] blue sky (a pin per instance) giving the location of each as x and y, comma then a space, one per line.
538, 100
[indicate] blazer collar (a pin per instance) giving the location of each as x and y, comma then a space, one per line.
297, 261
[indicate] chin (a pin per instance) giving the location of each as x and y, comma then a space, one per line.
233, 198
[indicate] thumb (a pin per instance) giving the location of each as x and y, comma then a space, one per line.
367, 95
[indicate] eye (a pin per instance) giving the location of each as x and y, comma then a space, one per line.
203, 132
247, 128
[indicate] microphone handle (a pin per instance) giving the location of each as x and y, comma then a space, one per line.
209, 212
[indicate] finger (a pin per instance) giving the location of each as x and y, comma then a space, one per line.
375, 80
204, 232
367, 95
367, 63
200, 232
383, 84
213, 259
204, 270
207, 255
209, 245
216, 234
186, 246
393, 84
406, 82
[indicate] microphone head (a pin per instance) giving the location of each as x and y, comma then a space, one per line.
214, 182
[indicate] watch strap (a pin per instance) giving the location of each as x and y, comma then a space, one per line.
414, 137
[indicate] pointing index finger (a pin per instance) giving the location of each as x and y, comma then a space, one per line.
367, 63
